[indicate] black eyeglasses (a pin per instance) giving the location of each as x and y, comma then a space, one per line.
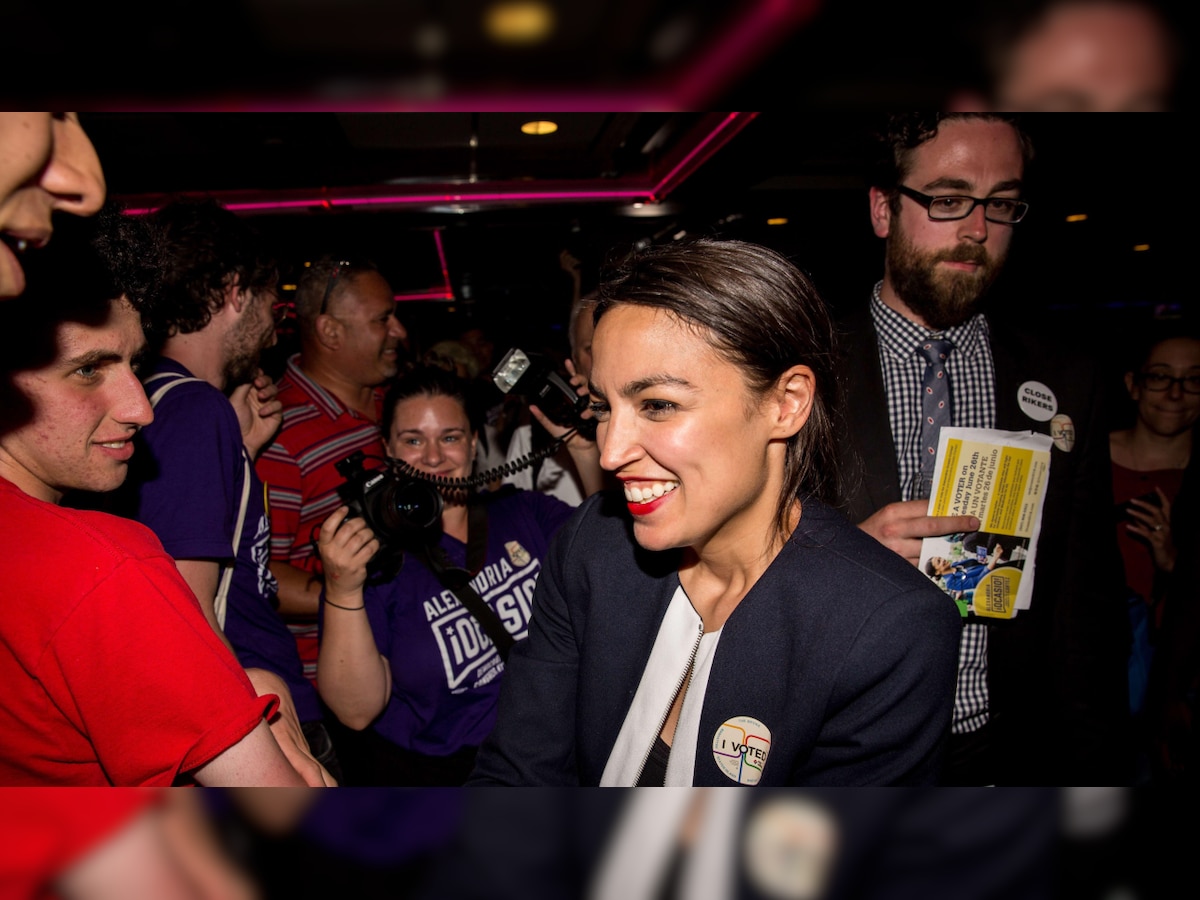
1003, 210
337, 270
1160, 381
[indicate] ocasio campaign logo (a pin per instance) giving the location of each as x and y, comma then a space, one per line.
740, 748
469, 657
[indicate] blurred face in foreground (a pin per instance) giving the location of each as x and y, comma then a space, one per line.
47, 162
1107, 56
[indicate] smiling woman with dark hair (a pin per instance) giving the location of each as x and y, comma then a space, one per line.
1150, 457
415, 661
718, 623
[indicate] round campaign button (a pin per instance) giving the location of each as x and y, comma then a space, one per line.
740, 748
1037, 401
789, 845
1062, 432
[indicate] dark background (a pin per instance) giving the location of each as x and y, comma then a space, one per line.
596, 54
1083, 280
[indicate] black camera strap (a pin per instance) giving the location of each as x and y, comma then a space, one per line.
458, 580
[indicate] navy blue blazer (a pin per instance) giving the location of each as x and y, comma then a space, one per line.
844, 651
894, 844
1057, 671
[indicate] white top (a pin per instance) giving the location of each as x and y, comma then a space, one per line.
681, 643
643, 841
556, 477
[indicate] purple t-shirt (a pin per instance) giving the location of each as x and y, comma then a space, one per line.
186, 485
445, 669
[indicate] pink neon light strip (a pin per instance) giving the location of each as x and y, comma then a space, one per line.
744, 42
432, 294
698, 84
685, 167
669, 182
409, 199
441, 252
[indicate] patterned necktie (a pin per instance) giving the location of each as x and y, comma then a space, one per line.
935, 406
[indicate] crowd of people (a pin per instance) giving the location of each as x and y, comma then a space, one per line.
710, 578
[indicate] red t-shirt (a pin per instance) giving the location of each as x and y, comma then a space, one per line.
299, 470
111, 674
43, 831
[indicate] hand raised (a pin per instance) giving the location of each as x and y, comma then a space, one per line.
259, 412
575, 442
346, 546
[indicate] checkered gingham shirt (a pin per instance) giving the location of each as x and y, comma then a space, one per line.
973, 405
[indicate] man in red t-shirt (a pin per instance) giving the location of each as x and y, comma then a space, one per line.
111, 673
81, 844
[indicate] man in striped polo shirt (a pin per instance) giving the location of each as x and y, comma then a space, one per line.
350, 342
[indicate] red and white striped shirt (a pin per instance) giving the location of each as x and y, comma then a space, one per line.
318, 431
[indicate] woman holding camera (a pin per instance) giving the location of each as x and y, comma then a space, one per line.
719, 623
409, 661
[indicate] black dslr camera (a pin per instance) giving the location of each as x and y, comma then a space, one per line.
532, 376
401, 510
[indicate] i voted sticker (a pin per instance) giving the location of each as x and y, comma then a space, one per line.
518, 554
1062, 432
740, 748
1037, 401
790, 846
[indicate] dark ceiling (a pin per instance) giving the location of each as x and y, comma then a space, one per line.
420, 55
394, 55
457, 203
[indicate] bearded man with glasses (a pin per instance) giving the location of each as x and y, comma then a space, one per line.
1041, 698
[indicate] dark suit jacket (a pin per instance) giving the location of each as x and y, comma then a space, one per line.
842, 650
1057, 672
895, 844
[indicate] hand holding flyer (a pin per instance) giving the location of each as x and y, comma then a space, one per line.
1000, 478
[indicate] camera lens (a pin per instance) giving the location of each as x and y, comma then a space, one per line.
411, 506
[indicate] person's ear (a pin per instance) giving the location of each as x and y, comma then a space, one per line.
792, 401
1130, 385
328, 331
881, 212
236, 296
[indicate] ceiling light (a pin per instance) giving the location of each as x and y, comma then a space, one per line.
430, 40
647, 210
539, 126
1077, 217
778, 220
669, 42
1138, 248
519, 22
